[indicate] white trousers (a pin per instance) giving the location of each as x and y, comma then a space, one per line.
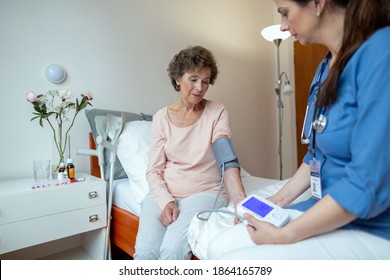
236, 244
155, 241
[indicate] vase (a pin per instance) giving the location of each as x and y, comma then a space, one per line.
55, 164
57, 158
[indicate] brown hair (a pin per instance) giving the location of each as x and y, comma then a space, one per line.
192, 58
362, 19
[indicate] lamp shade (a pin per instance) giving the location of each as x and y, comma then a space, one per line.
273, 32
55, 73
287, 89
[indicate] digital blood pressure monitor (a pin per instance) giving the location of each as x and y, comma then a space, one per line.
263, 210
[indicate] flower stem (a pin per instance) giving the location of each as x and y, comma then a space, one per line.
59, 149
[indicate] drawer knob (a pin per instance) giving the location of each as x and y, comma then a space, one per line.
93, 218
93, 194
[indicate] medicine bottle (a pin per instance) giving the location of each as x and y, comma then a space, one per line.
70, 168
61, 171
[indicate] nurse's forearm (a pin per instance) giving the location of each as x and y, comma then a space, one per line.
294, 187
325, 216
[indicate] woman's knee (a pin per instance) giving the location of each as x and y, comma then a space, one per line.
176, 251
146, 253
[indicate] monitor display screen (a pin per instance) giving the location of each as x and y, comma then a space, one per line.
257, 206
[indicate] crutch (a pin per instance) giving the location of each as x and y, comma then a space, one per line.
114, 127
106, 127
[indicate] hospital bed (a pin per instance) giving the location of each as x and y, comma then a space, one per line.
129, 186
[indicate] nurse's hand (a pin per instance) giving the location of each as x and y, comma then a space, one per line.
169, 214
263, 232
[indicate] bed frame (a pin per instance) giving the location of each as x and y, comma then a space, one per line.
124, 224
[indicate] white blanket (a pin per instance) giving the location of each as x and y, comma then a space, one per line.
201, 232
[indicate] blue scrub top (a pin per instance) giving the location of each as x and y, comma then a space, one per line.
354, 148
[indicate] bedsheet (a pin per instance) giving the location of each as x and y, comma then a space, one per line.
123, 197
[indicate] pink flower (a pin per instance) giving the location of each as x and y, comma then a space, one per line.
31, 97
88, 95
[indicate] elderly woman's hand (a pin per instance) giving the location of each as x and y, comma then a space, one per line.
169, 214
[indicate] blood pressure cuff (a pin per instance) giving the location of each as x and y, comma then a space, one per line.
225, 154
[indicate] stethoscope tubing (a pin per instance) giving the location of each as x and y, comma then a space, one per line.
318, 123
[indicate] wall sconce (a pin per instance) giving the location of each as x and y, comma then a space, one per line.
55, 73
274, 34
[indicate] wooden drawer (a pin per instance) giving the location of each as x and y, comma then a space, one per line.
32, 204
14, 236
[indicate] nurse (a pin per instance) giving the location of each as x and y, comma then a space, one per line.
347, 127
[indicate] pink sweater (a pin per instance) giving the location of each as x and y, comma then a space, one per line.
181, 159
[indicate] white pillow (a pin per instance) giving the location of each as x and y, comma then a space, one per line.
133, 152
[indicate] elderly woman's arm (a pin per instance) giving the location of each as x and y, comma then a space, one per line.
234, 185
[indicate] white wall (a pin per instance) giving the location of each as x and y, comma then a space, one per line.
120, 50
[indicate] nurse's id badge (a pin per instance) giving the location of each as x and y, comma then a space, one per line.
315, 179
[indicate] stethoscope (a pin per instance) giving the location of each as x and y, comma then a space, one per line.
319, 123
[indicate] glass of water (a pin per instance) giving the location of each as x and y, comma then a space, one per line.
41, 170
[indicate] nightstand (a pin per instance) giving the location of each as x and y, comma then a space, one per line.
57, 222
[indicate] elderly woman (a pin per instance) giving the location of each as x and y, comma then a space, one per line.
182, 172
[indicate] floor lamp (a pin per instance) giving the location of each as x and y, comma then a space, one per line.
274, 34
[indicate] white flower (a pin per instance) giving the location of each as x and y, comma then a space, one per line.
47, 108
65, 94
